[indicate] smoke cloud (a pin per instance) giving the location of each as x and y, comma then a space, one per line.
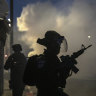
76, 26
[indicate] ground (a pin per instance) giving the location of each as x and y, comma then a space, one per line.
74, 87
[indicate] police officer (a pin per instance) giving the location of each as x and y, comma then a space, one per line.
16, 63
48, 80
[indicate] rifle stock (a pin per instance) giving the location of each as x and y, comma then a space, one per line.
71, 60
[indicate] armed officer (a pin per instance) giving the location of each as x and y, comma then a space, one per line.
46, 71
16, 63
48, 79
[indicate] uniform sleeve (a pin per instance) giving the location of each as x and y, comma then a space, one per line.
8, 63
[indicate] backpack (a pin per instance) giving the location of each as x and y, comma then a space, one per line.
32, 70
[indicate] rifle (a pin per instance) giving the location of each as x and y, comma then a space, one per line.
70, 61
78, 53
67, 65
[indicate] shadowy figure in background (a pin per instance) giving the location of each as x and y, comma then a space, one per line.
42, 70
16, 63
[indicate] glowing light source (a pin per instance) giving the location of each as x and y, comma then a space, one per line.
89, 37
9, 25
6, 55
9, 20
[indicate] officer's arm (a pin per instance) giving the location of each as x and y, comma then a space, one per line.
8, 63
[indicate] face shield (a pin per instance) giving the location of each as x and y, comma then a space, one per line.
54, 43
63, 46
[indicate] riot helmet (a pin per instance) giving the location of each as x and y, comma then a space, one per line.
17, 48
53, 38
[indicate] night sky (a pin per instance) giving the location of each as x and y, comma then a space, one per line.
19, 4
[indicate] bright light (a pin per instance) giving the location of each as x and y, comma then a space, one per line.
9, 20
9, 25
89, 37
6, 55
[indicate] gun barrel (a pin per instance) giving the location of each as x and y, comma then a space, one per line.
78, 53
87, 47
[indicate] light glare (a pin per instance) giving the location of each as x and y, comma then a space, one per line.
89, 37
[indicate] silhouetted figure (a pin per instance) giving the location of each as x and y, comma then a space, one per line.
16, 63
46, 71
43, 69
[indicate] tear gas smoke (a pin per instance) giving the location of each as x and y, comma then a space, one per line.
37, 18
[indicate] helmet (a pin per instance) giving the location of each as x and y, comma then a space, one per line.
17, 47
52, 37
